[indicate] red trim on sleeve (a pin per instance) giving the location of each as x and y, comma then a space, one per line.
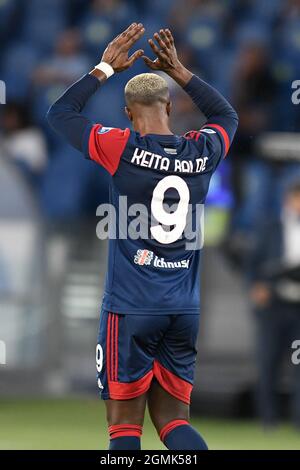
106, 146
223, 134
177, 387
170, 426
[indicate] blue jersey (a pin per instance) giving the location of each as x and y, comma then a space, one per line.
165, 178
155, 269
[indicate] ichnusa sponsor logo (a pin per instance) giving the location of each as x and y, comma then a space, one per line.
148, 258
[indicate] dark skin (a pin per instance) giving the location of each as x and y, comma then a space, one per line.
153, 119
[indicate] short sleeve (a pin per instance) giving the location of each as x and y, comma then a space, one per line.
106, 146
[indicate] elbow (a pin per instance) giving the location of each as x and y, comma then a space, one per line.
51, 116
234, 117
235, 114
54, 117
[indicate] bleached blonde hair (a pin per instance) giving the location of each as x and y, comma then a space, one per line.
147, 89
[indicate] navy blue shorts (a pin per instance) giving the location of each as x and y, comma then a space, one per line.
133, 349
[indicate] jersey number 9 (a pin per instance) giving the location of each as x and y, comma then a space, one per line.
177, 219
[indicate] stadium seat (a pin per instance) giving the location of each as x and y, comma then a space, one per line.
72, 185
159, 8
204, 36
289, 39
7, 10
64, 184
252, 31
43, 98
21, 57
225, 61
43, 21
151, 24
264, 10
99, 28
106, 107
96, 32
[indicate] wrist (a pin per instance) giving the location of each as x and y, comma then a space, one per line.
106, 68
99, 75
181, 75
103, 71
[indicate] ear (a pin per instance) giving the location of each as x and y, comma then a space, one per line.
169, 107
128, 113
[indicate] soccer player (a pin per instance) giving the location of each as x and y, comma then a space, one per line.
150, 312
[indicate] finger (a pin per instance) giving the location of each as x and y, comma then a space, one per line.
134, 35
127, 30
160, 42
156, 50
122, 37
130, 28
165, 38
159, 53
136, 55
135, 38
150, 63
170, 36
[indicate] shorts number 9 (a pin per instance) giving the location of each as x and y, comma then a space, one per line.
99, 357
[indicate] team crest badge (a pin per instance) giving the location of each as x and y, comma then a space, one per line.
143, 257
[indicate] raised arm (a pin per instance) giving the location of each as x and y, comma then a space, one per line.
212, 104
65, 116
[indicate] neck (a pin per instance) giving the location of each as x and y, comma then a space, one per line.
152, 123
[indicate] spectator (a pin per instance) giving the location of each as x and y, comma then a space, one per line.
253, 95
67, 63
274, 271
254, 90
291, 9
22, 142
102, 20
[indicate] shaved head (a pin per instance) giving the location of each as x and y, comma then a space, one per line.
147, 89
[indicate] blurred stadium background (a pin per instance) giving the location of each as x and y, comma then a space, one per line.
51, 263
